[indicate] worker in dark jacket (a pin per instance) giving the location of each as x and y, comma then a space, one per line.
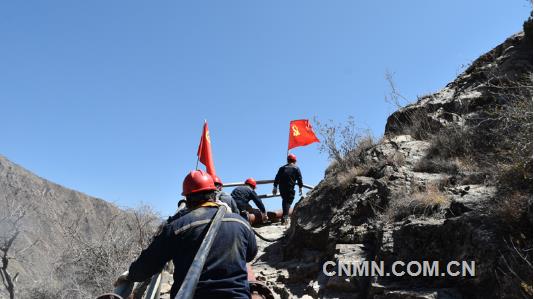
222, 196
287, 177
224, 274
243, 194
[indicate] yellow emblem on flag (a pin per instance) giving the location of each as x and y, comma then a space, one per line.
208, 136
295, 130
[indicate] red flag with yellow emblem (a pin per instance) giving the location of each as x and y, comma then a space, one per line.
300, 133
204, 150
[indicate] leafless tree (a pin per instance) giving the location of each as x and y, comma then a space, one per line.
89, 266
343, 142
11, 215
394, 98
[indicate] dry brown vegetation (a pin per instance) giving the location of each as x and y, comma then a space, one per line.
344, 144
429, 201
414, 122
88, 267
345, 177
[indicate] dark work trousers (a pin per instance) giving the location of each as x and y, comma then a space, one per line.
287, 200
244, 208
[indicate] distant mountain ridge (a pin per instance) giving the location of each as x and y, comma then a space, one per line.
47, 205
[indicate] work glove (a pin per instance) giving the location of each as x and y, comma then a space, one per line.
264, 217
300, 191
122, 279
275, 191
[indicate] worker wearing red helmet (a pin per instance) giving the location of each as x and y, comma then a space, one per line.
243, 194
222, 196
224, 274
287, 177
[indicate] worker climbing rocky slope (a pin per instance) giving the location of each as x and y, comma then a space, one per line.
451, 180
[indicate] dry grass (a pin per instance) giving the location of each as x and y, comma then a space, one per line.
512, 210
398, 159
430, 201
437, 165
345, 145
344, 178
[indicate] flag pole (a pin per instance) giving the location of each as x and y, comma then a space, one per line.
288, 139
201, 136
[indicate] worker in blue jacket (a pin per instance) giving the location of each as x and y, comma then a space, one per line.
225, 273
243, 194
287, 177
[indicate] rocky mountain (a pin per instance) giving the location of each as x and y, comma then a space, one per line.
56, 227
451, 180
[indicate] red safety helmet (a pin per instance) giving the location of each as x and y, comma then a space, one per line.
291, 158
217, 180
251, 182
197, 181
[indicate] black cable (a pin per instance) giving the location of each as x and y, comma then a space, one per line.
267, 239
274, 240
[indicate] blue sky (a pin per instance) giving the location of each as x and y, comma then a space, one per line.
109, 97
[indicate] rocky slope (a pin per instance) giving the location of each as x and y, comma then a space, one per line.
449, 181
47, 209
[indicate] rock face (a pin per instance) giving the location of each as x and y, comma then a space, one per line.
46, 205
401, 203
465, 100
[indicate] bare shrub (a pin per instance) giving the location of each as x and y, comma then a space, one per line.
88, 267
395, 98
450, 151
515, 129
513, 208
45, 288
426, 202
414, 121
503, 133
509, 138
344, 143
12, 214
514, 268
452, 141
418, 124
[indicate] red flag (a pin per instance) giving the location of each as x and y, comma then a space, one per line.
204, 150
300, 133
